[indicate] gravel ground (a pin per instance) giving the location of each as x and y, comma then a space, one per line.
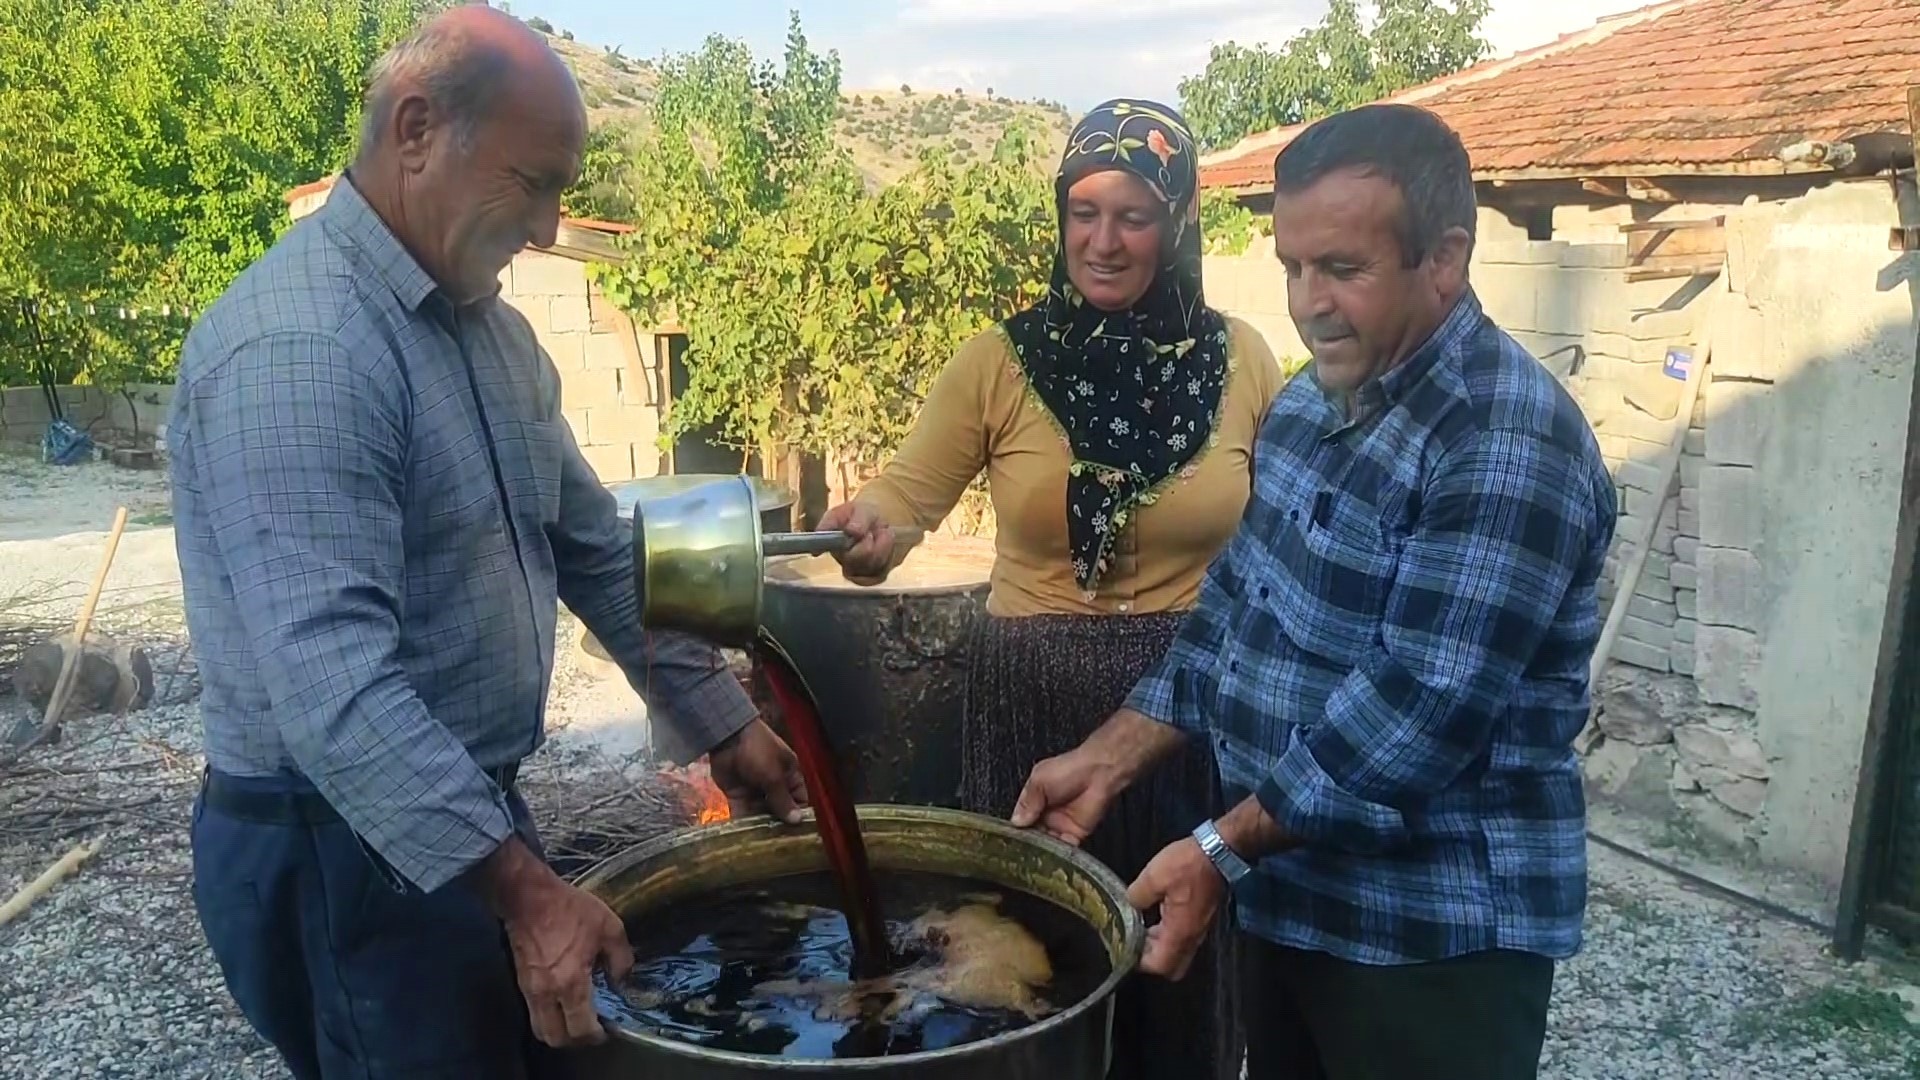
44, 502
108, 977
1677, 983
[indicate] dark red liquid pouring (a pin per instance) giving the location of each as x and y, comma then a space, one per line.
832, 811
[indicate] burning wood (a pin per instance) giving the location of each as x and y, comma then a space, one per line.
590, 808
705, 801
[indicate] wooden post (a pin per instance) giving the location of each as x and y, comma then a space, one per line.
1668, 464
1894, 681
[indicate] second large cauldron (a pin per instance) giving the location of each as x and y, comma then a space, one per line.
887, 662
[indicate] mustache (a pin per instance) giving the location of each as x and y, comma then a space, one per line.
1327, 326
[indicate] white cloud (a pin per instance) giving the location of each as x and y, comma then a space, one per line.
1057, 49
1082, 51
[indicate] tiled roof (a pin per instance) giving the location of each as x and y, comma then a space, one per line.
1688, 86
590, 224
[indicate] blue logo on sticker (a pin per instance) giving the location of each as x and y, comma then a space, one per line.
1679, 361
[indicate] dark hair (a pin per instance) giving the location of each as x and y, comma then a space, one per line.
1407, 146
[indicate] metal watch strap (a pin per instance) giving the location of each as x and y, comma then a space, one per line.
1231, 866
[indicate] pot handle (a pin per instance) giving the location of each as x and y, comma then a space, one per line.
830, 542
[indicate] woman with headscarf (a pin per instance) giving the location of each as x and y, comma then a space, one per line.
1115, 421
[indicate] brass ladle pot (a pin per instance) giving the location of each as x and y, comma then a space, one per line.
699, 559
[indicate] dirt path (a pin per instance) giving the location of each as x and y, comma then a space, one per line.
41, 502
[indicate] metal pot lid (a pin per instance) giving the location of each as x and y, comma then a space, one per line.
767, 495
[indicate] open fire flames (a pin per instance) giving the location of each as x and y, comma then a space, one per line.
708, 802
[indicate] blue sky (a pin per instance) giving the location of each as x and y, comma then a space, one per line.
1078, 52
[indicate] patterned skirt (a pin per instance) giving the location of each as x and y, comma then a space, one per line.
1037, 687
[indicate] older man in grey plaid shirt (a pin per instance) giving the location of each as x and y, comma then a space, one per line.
378, 506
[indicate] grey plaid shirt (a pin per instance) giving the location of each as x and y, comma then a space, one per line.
371, 581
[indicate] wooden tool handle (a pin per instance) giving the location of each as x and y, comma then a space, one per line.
70, 662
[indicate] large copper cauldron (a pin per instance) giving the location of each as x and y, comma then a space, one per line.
1070, 1045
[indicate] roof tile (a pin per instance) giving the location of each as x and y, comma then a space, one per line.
1693, 83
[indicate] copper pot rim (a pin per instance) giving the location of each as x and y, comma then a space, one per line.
1133, 935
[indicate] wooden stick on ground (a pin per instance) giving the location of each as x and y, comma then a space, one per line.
63, 686
40, 886
70, 660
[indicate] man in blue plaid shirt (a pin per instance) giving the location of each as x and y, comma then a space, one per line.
1389, 662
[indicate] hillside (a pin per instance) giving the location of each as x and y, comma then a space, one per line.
884, 130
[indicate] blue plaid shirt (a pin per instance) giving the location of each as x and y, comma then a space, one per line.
1391, 654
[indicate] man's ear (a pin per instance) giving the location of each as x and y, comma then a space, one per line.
415, 125
1450, 257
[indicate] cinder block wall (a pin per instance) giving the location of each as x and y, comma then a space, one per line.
609, 375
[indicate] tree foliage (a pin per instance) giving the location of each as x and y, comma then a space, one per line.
1340, 63
817, 310
1227, 227
146, 147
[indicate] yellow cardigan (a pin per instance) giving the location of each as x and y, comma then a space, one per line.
979, 415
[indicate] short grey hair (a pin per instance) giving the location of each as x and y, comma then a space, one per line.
460, 76
1406, 146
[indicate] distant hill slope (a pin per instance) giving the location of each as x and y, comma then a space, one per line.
884, 130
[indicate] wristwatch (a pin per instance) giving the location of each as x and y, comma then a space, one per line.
1231, 866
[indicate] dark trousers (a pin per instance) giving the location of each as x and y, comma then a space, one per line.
1310, 1016
345, 974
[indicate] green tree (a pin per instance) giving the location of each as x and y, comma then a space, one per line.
605, 188
1340, 63
146, 146
817, 311
1227, 227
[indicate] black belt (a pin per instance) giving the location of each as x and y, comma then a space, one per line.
297, 807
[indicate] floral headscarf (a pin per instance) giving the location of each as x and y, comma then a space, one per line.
1135, 393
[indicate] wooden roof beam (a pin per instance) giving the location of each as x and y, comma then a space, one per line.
1630, 189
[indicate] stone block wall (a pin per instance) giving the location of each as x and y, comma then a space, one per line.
611, 388
1254, 287
1776, 542
135, 413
